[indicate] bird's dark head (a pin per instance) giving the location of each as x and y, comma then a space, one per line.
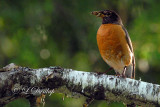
108, 16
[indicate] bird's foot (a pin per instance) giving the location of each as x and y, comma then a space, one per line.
123, 75
117, 74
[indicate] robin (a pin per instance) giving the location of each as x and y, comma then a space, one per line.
114, 44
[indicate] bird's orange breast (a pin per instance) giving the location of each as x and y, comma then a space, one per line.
113, 46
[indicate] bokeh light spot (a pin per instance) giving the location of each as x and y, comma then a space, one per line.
44, 53
143, 65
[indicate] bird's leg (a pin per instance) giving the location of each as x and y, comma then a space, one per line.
99, 73
117, 74
105, 71
109, 70
123, 73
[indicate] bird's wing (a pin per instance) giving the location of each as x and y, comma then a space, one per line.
130, 69
128, 39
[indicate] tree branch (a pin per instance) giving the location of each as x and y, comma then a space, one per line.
25, 82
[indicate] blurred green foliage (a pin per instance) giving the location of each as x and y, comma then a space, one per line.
63, 33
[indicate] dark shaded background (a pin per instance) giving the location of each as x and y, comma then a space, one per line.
63, 33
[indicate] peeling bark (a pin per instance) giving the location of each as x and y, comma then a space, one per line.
19, 82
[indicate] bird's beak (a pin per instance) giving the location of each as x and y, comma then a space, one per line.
98, 14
